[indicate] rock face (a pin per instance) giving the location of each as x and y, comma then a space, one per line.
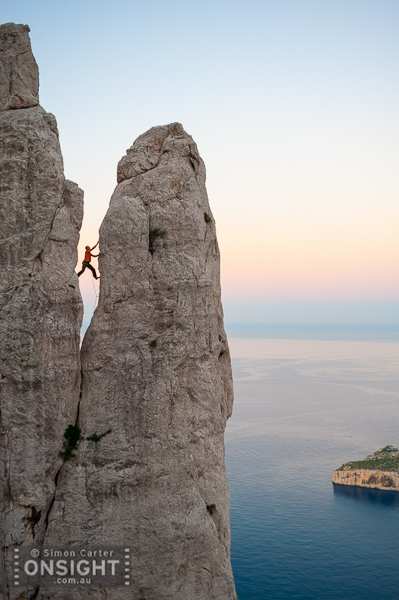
379, 470
381, 480
156, 387
19, 75
156, 371
40, 313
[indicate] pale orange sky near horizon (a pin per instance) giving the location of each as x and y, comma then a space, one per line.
338, 244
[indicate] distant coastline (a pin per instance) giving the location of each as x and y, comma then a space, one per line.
367, 332
379, 470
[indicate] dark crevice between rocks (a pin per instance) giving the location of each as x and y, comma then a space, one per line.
3, 562
35, 593
211, 508
7, 470
194, 163
33, 519
46, 520
214, 513
56, 478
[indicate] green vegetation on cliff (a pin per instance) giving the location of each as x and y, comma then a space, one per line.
384, 459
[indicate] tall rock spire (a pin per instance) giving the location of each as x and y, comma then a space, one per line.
40, 303
19, 75
156, 372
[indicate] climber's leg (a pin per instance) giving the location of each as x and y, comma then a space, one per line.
84, 265
92, 269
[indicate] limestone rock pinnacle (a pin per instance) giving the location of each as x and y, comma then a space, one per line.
19, 74
156, 371
40, 304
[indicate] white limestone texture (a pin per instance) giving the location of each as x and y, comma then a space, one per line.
156, 374
19, 74
156, 371
40, 303
370, 478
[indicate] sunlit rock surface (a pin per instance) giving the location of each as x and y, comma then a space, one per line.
40, 304
155, 361
156, 371
379, 470
19, 75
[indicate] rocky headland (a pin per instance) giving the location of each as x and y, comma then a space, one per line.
379, 470
148, 396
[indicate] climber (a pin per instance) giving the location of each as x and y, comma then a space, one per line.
87, 259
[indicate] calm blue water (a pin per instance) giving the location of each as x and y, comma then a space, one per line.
302, 408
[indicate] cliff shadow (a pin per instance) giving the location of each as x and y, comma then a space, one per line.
373, 496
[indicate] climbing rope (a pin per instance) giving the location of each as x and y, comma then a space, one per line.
95, 291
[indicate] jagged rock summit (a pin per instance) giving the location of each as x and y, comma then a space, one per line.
19, 74
156, 386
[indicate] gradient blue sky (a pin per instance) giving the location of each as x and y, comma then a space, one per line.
294, 107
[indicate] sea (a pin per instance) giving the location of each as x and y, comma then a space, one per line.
309, 398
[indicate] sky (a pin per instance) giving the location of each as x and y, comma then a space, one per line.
294, 107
